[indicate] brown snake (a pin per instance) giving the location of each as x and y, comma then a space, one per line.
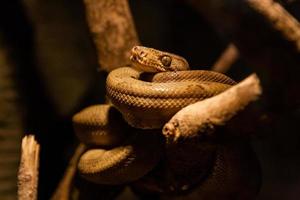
146, 101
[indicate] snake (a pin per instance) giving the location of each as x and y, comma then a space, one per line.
146, 94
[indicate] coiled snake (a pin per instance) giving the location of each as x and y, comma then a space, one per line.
146, 101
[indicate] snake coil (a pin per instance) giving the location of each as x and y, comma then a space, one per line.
148, 104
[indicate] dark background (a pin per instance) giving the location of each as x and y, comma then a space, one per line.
57, 75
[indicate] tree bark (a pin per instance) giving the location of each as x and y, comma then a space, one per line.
227, 59
113, 30
63, 190
28, 171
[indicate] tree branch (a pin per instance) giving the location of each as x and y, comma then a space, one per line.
227, 59
113, 30
28, 171
63, 190
202, 117
272, 52
280, 19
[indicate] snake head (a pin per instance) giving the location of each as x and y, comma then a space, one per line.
152, 60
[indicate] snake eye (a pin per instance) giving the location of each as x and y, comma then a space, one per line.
166, 60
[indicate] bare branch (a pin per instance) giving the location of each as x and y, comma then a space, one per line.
280, 19
229, 15
227, 59
113, 31
28, 171
267, 37
202, 117
63, 190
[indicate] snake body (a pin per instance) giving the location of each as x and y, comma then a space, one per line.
146, 102
125, 163
119, 153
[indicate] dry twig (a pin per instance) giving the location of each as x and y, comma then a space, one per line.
226, 60
63, 190
113, 31
229, 15
28, 171
267, 37
202, 117
280, 19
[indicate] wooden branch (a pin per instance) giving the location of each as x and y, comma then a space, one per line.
280, 19
267, 37
272, 13
202, 117
28, 171
227, 59
63, 191
113, 30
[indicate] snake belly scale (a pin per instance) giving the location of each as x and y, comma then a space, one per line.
144, 104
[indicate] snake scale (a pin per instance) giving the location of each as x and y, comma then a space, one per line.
147, 94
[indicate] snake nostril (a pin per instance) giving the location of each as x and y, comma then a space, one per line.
143, 54
135, 48
133, 57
